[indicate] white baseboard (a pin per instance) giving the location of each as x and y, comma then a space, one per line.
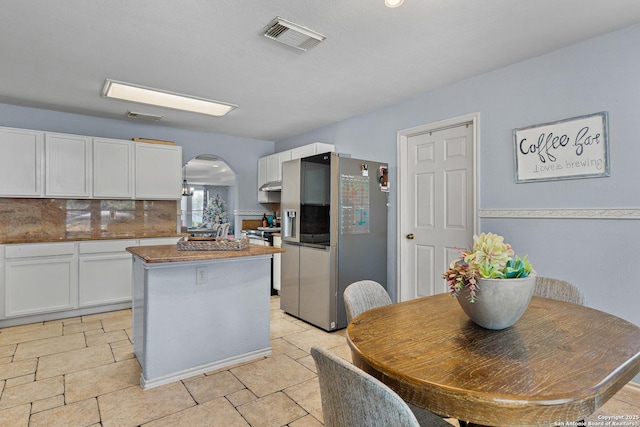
219, 364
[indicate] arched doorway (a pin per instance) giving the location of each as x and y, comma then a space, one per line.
210, 184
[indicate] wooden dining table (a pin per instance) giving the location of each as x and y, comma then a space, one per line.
555, 366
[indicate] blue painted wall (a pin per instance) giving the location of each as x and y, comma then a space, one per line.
600, 74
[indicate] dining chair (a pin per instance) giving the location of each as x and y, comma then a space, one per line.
351, 397
364, 295
548, 287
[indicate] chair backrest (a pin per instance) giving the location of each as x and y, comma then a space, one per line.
364, 295
558, 290
351, 397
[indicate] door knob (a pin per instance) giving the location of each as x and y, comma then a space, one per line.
410, 236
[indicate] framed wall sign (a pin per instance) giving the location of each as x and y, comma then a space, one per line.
566, 149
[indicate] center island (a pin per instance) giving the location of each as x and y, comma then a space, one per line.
196, 311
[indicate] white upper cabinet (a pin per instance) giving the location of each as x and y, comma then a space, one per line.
265, 196
262, 171
273, 166
47, 164
311, 149
113, 168
20, 163
270, 167
67, 165
304, 151
158, 171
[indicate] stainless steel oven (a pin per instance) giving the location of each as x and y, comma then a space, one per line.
263, 236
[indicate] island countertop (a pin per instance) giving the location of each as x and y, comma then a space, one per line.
170, 253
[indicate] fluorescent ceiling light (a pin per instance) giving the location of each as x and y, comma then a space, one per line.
162, 98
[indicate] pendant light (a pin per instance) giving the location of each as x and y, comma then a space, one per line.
185, 187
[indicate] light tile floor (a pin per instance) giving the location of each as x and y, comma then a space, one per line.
82, 372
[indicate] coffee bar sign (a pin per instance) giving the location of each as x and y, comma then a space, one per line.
566, 149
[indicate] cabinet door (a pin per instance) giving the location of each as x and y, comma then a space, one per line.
67, 165
20, 163
112, 168
282, 157
104, 279
40, 285
321, 147
263, 196
273, 168
158, 171
304, 151
104, 272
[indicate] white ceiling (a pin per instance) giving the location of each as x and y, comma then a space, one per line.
56, 54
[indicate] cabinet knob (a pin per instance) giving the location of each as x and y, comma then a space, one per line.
410, 236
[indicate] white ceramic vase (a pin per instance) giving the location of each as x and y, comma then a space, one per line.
499, 302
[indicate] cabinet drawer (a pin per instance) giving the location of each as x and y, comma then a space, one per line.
105, 246
39, 250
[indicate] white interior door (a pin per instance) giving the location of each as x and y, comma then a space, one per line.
436, 206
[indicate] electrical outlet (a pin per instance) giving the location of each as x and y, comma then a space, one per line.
201, 275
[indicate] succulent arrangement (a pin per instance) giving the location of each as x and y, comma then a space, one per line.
489, 258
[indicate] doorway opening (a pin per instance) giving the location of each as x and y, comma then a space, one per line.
211, 194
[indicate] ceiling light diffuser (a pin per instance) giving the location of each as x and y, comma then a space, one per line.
163, 98
393, 3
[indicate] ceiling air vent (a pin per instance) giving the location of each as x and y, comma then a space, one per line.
143, 116
291, 34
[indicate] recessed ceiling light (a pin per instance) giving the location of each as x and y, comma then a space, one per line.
162, 98
393, 3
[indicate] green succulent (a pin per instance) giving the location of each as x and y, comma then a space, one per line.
517, 267
489, 258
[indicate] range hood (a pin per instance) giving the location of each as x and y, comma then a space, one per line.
272, 186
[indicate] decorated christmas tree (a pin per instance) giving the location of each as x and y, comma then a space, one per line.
216, 211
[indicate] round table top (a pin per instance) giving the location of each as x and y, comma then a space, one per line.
558, 363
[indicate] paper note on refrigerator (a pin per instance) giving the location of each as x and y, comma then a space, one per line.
354, 204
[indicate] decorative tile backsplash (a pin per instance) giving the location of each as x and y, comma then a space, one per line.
53, 220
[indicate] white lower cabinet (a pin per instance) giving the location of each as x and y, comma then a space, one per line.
40, 278
44, 281
104, 272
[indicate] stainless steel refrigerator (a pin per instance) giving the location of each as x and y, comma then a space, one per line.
334, 232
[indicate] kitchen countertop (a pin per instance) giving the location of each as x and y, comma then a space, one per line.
78, 237
170, 253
